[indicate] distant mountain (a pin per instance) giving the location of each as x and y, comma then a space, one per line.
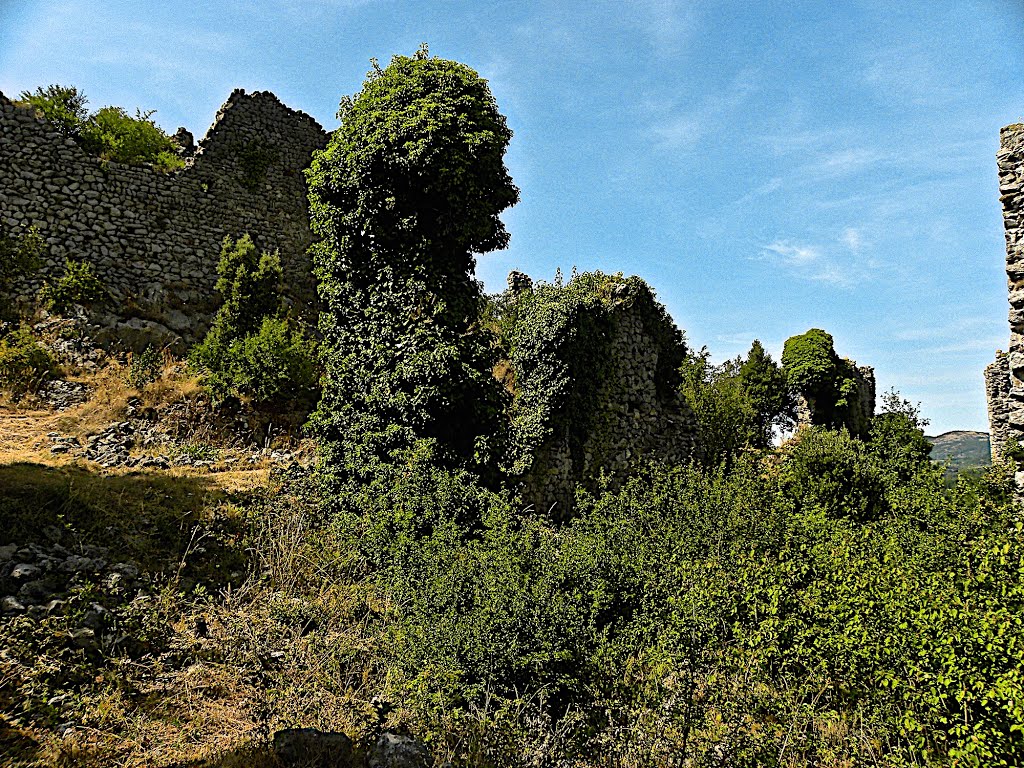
963, 448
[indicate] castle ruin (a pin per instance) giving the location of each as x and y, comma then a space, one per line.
1004, 378
154, 238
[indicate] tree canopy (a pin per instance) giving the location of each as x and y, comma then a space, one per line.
407, 190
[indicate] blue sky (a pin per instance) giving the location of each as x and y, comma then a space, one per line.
768, 167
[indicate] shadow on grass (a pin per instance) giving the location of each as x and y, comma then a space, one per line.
152, 519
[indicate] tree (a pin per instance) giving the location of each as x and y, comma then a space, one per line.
767, 390
726, 420
407, 190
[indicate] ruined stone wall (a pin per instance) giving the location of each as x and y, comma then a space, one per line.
1004, 379
632, 413
154, 238
862, 407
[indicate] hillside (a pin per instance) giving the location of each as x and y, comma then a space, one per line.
963, 449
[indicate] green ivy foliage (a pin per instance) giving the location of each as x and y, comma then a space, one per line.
828, 382
559, 345
408, 189
20, 256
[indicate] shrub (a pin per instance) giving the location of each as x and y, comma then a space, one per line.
250, 350
274, 365
20, 256
109, 133
112, 134
144, 368
78, 285
25, 364
63, 107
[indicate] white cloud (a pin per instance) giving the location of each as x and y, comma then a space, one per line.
683, 130
842, 263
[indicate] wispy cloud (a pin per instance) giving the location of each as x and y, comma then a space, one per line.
681, 130
842, 262
851, 237
668, 24
809, 262
909, 75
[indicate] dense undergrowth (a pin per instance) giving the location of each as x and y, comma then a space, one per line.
830, 601
833, 603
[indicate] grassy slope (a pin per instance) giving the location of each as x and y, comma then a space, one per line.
221, 652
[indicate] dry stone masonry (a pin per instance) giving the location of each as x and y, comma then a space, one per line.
1004, 379
154, 238
635, 412
862, 406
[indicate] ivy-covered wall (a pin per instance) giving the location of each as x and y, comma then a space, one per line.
154, 238
594, 368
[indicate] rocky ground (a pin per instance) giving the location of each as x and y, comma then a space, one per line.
148, 615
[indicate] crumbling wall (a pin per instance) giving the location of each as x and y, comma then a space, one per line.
596, 371
861, 409
154, 238
1004, 379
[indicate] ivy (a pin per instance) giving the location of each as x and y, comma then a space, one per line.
560, 350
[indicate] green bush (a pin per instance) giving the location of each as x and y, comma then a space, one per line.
144, 368
274, 365
251, 350
20, 256
78, 285
109, 133
25, 364
63, 107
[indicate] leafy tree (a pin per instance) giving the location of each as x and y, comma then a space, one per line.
767, 389
897, 437
112, 134
408, 189
726, 418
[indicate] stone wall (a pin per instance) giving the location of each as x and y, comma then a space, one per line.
154, 238
1004, 379
861, 410
633, 412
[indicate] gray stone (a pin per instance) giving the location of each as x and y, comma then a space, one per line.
10, 604
24, 572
